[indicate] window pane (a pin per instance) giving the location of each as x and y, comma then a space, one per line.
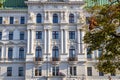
22, 20
75, 73
21, 73
0, 35
55, 52
36, 72
40, 71
11, 20
89, 55
71, 34
89, 71
55, 34
1, 19
9, 71
38, 34
71, 71
10, 53
39, 18
22, 35
38, 52
72, 52
21, 53
55, 18
10, 35
101, 74
71, 18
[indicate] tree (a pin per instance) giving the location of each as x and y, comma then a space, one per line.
104, 34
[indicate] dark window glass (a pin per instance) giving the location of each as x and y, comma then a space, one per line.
89, 56
1, 19
10, 35
38, 71
22, 20
99, 52
73, 71
89, 71
101, 74
9, 71
21, 53
11, 20
55, 34
112, 74
21, 71
71, 34
39, 18
72, 52
38, 34
55, 52
71, 18
10, 53
38, 52
0, 35
55, 18
22, 35
55, 71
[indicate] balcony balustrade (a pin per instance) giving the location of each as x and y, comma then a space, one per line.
72, 60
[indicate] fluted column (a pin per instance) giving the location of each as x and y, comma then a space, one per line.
28, 41
78, 40
45, 40
61, 41
49, 39
65, 44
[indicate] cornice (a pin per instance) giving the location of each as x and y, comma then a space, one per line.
68, 3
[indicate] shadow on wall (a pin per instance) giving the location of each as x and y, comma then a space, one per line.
14, 3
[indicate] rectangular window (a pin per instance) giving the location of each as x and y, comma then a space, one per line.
55, 71
22, 20
1, 20
89, 71
73, 71
38, 34
55, 34
71, 34
11, 20
20, 71
9, 71
38, 71
101, 74
10, 35
112, 74
0, 35
89, 55
21, 35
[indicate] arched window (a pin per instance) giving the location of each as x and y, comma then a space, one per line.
72, 52
55, 52
38, 18
38, 52
71, 18
10, 53
55, 18
21, 53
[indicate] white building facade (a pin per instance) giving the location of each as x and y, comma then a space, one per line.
45, 42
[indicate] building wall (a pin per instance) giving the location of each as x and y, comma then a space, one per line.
29, 64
